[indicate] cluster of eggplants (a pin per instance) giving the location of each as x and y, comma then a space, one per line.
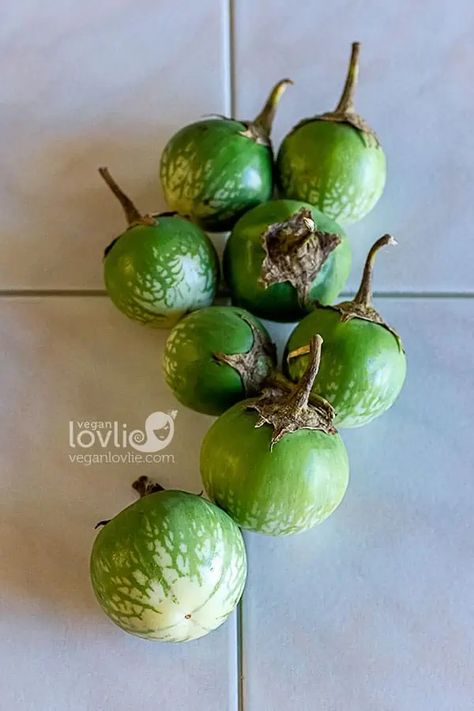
273, 459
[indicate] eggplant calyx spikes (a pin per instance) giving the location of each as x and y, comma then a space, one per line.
144, 486
254, 366
361, 306
295, 250
289, 409
354, 120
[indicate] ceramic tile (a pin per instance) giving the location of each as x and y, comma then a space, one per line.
77, 359
85, 85
415, 90
371, 611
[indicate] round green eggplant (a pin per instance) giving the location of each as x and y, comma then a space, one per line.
217, 356
264, 466
216, 169
160, 268
334, 160
245, 256
363, 365
170, 567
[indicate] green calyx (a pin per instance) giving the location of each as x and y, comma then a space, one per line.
345, 111
254, 365
295, 250
261, 127
288, 409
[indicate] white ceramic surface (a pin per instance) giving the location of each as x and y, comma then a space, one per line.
78, 359
372, 610
417, 60
90, 84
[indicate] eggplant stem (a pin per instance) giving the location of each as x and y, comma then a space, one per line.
300, 395
302, 350
131, 213
265, 118
364, 294
144, 486
346, 102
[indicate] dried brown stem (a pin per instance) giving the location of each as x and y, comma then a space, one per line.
144, 486
346, 102
291, 408
300, 396
295, 251
131, 213
364, 294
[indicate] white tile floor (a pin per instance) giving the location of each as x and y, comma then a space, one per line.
414, 89
373, 610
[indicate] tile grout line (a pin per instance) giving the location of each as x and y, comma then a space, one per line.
12, 293
51, 292
229, 33
417, 294
230, 58
240, 655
